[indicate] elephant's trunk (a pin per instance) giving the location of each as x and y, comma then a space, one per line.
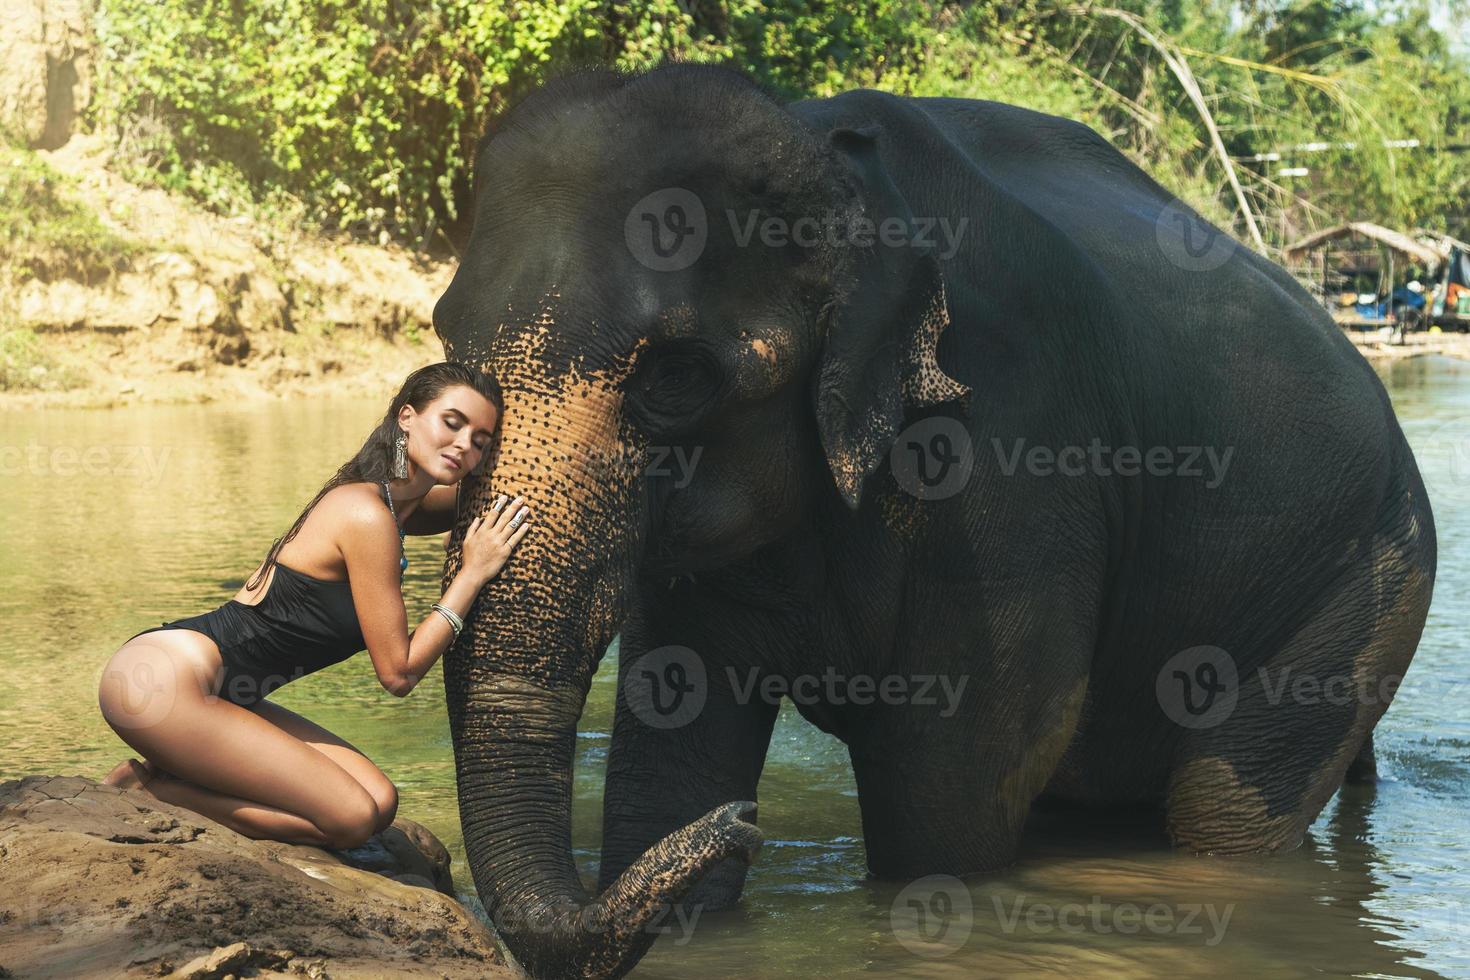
517, 681
515, 808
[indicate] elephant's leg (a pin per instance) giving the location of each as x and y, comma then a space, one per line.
1256, 775
665, 771
950, 795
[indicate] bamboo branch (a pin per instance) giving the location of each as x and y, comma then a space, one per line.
1187, 81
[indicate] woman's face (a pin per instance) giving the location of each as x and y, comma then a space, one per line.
451, 435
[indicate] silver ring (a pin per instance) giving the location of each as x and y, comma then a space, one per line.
515, 522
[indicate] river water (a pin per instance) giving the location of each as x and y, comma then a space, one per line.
120, 519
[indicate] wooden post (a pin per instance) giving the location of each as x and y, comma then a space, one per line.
1397, 330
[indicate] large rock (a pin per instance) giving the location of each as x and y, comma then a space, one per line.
101, 882
45, 68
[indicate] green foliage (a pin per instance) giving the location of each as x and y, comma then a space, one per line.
363, 115
44, 230
25, 366
1275, 75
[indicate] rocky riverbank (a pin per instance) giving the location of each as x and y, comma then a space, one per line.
101, 882
139, 296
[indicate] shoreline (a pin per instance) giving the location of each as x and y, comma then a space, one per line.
376, 368
1376, 349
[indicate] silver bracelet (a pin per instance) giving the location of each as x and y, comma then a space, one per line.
455, 623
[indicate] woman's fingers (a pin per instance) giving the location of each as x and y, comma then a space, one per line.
508, 513
520, 532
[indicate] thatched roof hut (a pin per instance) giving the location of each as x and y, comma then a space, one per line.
1419, 252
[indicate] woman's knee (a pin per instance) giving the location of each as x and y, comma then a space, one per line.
385, 798
351, 825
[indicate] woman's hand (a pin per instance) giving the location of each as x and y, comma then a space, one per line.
491, 538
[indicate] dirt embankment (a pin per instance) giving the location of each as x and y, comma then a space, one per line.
190, 306
101, 882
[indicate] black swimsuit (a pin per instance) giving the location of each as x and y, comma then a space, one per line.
302, 625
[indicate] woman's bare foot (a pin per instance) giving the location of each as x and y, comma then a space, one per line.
129, 774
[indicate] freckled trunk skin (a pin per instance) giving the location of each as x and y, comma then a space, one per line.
517, 680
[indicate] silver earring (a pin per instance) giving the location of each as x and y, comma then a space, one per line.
400, 457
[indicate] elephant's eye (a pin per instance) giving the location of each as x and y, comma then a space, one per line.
677, 377
672, 388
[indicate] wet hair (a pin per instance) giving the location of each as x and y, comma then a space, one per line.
373, 462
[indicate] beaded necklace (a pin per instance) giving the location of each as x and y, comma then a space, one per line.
402, 556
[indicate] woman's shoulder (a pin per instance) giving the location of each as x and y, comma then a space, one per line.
357, 504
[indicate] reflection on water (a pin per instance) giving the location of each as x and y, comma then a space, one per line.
119, 520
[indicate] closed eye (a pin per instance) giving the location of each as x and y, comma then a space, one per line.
672, 388
676, 375
455, 425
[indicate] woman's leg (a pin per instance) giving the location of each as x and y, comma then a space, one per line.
229, 764
349, 757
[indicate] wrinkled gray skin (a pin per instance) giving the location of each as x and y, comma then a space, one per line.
1079, 307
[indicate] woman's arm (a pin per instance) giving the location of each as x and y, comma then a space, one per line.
370, 545
369, 542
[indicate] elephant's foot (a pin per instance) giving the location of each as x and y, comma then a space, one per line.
1363, 771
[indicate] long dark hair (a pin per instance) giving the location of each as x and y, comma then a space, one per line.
373, 462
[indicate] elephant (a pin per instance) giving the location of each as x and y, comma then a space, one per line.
1115, 479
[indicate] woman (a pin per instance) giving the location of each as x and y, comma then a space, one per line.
189, 695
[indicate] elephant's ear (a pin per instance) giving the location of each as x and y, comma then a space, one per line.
878, 357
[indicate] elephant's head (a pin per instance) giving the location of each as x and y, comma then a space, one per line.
666, 411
